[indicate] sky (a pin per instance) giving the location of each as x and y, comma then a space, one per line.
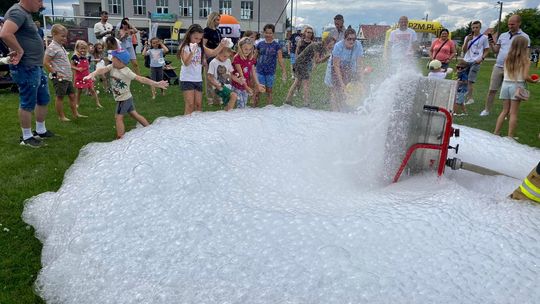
452, 14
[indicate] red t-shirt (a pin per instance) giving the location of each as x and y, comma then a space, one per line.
247, 69
445, 53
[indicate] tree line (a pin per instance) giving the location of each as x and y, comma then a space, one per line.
530, 24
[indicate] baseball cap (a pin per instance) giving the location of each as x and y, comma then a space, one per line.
122, 55
435, 64
338, 17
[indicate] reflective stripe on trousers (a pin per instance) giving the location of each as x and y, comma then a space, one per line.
530, 191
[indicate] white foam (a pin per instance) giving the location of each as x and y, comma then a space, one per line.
284, 205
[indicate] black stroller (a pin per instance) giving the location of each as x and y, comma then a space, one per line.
169, 74
5, 78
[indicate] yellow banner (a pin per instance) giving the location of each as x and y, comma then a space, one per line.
176, 30
425, 26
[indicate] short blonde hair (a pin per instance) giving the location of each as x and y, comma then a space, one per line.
226, 51
57, 29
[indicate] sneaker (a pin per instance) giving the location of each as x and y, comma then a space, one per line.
469, 101
31, 142
43, 135
484, 113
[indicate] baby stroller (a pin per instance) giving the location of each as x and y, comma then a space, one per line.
5, 78
169, 74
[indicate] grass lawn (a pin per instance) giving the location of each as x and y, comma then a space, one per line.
26, 172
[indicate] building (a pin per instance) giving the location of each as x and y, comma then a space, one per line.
251, 14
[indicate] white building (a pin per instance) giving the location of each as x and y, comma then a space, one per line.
251, 14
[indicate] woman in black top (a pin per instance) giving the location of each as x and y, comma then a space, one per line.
211, 39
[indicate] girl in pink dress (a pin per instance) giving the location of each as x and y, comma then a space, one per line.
81, 65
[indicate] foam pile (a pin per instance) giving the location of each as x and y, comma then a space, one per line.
284, 205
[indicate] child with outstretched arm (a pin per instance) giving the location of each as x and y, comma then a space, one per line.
121, 77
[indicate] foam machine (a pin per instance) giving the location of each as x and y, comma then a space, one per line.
425, 130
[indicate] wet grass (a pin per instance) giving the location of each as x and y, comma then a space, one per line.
26, 172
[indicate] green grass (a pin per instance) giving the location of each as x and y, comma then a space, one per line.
26, 172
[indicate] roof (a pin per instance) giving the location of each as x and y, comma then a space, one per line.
373, 31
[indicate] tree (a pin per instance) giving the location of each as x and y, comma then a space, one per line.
530, 24
287, 22
5, 5
460, 33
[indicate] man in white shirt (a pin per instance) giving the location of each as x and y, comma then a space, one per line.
475, 48
501, 49
103, 29
403, 40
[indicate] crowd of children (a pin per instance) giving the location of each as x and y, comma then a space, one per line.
234, 75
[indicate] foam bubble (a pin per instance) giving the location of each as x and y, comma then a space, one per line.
284, 205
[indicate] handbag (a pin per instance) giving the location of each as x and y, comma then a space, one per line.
521, 94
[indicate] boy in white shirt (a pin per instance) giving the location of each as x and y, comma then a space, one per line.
475, 48
220, 73
121, 77
436, 71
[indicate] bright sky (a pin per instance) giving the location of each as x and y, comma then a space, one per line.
318, 13
451, 13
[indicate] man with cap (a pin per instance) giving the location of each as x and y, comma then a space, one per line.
121, 77
20, 34
339, 31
